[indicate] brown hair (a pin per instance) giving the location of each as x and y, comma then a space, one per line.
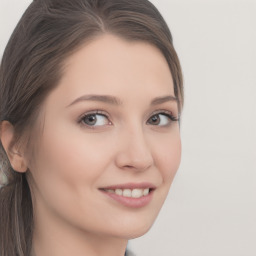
48, 32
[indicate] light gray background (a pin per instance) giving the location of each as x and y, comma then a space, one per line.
211, 207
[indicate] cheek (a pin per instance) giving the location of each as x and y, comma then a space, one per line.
69, 156
68, 167
168, 157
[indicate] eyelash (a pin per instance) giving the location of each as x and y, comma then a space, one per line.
104, 114
93, 113
166, 113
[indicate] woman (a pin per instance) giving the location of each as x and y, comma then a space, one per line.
91, 95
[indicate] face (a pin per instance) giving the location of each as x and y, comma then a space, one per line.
110, 145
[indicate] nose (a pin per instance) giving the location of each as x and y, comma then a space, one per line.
133, 152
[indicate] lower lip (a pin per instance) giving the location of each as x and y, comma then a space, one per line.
130, 201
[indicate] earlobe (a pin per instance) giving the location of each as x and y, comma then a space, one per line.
15, 157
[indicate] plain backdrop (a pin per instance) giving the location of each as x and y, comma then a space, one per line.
211, 207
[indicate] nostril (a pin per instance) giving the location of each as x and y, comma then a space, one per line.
129, 166
136, 167
134, 156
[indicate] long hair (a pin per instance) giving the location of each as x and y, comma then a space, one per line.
48, 32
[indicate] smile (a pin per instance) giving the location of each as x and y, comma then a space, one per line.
131, 195
134, 193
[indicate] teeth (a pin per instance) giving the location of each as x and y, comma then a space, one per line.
145, 192
127, 193
119, 192
134, 193
110, 190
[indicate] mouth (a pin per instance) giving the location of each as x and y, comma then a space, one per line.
131, 195
127, 192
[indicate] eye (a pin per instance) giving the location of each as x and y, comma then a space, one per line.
162, 119
95, 119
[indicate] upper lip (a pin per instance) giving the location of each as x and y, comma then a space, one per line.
141, 185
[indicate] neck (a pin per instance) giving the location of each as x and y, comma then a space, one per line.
53, 237
98, 247
79, 245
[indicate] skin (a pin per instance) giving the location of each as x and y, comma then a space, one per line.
74, 160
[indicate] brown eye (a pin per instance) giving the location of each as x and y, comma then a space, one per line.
95, 120
161, 119
154, 120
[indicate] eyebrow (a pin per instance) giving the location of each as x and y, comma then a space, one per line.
117, 102
160, 100
101, 98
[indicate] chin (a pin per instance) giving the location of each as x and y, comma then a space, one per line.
133, 229
138, 233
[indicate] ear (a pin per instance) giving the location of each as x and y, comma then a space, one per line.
16, 158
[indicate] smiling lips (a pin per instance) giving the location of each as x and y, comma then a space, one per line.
131, 195
134, 193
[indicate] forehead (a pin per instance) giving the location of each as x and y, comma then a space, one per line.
113, 66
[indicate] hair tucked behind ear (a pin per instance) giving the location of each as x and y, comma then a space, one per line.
48, 32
